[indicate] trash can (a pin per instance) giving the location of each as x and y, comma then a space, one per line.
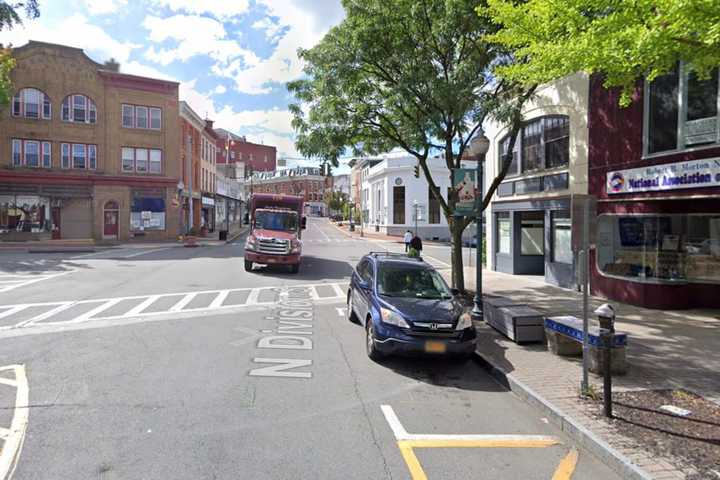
223, 235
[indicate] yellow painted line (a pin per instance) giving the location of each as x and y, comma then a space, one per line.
567, 466
416, 471
487, 443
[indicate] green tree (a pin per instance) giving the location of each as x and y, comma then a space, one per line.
335, 200
623, 40
9, 17
409, 74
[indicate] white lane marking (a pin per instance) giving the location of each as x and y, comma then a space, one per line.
54, 311
321, 232
145, 252
340, 311
13, 310
12, 447
137, 309
8, 381
100, 308
100, 305
87, 255
253, 297
219, 299
4, 433
402, 434
182, 303
34, 279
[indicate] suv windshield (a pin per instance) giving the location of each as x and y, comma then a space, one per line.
401, 281
281, 221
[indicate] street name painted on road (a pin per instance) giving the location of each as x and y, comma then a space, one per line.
294, 329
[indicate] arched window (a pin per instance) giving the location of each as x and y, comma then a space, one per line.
31, 103
79, 108
111, 205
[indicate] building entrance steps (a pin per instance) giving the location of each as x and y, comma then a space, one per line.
668, 350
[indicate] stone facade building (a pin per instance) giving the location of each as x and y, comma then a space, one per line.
86, 151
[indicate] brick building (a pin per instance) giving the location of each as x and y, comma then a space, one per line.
191, 127
234, 148
307, 182
86, 151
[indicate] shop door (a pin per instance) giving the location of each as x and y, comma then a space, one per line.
55, 214
110, 224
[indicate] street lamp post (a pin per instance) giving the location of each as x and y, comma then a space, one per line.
415, 206
477, 149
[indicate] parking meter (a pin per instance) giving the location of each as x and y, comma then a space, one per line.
606, 318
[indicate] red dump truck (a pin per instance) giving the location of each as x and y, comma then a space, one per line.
276, 223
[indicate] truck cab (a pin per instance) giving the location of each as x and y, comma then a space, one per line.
276, 224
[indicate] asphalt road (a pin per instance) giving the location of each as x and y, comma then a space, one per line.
175, 363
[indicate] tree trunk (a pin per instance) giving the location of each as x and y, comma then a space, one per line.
456, 231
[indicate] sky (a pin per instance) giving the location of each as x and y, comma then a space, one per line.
231, 57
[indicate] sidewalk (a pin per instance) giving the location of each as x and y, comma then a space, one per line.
666, 350
89, 245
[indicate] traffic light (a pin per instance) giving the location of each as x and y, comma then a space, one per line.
416, 171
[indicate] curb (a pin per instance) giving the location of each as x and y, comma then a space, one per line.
584, 437
239, 234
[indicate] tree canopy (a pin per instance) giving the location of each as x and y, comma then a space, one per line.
9, 17
623, 40
410, 74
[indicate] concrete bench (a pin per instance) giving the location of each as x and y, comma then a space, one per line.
516, 321
565, 337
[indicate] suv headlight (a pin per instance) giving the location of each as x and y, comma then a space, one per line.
251, 243
464, 321
393, 318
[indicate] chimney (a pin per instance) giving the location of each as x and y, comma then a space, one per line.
112, 65
209, 124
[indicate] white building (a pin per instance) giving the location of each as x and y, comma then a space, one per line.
390, 196
529, 220
341, 183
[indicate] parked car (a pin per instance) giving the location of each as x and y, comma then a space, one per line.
406, 307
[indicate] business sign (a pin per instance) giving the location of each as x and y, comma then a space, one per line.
466, 187
670, 176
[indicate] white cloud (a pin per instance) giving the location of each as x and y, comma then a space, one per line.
74, 31
307, 22
195, 35
219, 90
272, 29
104, 7
223, 9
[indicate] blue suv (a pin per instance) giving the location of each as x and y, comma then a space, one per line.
406, 307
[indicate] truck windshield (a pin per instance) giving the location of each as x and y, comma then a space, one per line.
280, 221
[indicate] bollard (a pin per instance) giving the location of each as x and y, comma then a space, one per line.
606, 317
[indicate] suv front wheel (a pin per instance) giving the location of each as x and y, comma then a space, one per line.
372, 350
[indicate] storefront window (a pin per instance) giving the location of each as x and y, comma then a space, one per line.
532, 233
561, 236
23, 215
660, 248
147, 213
503, 233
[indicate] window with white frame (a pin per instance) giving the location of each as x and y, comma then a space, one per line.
542, 143
681, 111
141, 160
31, 153
141, 116
65, 155
78, 156
31, 103
79, 109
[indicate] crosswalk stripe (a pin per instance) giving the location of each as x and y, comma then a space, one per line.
142, 306
182, 303
48, 314
219, 299
253, 297
100, 308
13, 310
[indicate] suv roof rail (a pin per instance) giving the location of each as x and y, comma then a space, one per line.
395, 254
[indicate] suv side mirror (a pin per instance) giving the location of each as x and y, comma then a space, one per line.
455, 292
303, 223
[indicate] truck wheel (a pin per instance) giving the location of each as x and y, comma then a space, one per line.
248, 266
295, 268
372, 351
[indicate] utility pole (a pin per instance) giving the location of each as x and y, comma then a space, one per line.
188, 147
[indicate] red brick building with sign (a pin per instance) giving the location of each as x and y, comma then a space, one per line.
234, 148
655, 169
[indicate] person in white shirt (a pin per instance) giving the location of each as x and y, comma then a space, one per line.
407, 239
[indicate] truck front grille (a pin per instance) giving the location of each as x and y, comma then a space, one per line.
273, 246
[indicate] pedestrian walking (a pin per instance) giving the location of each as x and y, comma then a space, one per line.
415, 246
408, 239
